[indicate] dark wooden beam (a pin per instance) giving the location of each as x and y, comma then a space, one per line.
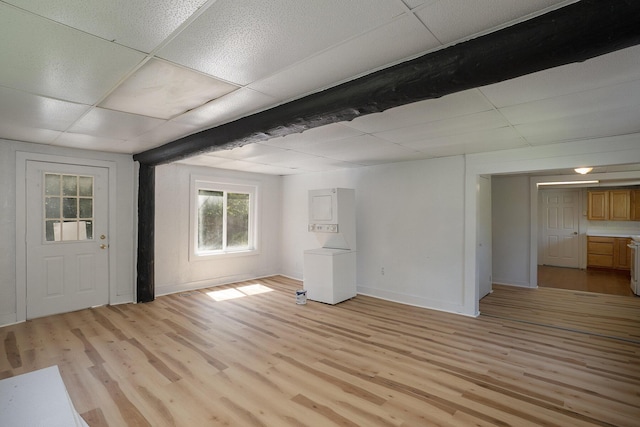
146, 218
570, 34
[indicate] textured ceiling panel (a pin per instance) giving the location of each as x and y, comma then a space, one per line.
114, 124
605, 70
455, 20
139, 24
351, 58
164, 90
54, 60
579, 103
454, 105
491, 119
24, 109
227, 108
243, 41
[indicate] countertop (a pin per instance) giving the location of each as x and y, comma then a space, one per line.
612, 234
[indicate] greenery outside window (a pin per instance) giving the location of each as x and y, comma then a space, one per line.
224, 218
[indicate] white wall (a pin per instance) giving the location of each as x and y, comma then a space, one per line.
174, 271
511, 224
123, 254
409, 220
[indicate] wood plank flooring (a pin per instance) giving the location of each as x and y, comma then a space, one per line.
247, 355
603, 281
585, 312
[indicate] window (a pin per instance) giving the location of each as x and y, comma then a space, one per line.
68, 207
223, 218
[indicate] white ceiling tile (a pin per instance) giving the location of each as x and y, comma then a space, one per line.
114, 124
349, 59
621, 121
264, 169
297, 141
99, 143
469, 139
164, 90
59, 62
241, 42
251, 152
164, 133
475, 147
454, 105
472, 122
600, 99
365, 150
26, 133
606, 70
454, 20
24, 109
140, 24
315, 164
227, 108
239, 165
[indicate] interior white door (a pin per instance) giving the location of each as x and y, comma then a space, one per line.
484, 253
560, 228
67, 241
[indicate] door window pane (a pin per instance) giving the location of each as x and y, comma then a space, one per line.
70, 207
52, 184
69, 185
86, 186
67, 216
52, 207
86, 208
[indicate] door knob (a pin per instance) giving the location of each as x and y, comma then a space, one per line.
103, 246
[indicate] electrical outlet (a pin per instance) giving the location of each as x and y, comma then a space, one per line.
382, 271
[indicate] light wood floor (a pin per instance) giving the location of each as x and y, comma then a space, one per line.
242, 357
601, 281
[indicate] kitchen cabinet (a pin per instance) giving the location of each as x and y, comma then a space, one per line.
635, 205
619, 205
598, 207
610, 205
621, 254
608, 252
600, 252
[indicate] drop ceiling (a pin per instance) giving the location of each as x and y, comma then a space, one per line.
129, 75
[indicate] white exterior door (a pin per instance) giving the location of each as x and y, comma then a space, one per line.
560, 228
66, 237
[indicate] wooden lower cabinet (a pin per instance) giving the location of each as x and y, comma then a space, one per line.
608, 252
621, 254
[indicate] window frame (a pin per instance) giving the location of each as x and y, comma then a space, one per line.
213, 184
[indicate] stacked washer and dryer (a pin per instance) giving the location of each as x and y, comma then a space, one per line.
330, 270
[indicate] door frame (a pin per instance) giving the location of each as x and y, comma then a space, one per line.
21, 224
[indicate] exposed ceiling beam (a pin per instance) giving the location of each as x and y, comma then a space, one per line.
570, 34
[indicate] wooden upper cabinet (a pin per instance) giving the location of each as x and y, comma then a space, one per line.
614, 205
619, 205
635, 205
598, 208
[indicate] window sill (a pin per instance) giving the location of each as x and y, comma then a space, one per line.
210, 256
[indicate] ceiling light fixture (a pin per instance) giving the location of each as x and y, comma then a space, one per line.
583, 171
568, 182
